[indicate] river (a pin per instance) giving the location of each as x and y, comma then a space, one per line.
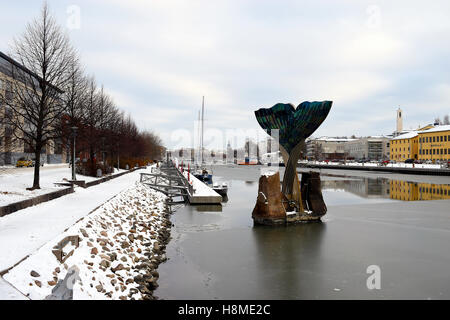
372, 220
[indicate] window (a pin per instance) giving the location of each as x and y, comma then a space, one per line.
434, 139
442, 139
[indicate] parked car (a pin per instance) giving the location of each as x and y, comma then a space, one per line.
24, 162
418, 161
409, 161
385, 162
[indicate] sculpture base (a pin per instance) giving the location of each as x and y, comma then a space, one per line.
291, 218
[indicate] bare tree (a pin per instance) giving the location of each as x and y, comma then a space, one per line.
37, 107
74, 97
446, 120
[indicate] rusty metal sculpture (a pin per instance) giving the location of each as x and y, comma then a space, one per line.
294, 126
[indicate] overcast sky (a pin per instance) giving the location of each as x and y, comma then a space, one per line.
157, 58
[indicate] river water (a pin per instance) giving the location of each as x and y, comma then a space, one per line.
372, 220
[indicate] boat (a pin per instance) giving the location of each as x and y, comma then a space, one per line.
248, 162
202, 173
221, 189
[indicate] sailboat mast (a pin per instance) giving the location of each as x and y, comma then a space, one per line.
203, 107
198, 137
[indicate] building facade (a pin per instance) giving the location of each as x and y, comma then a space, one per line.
326, 148
434, 144
12, 149
429, 143
404, 147
369, 148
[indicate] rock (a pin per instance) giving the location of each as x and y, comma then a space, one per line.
113, 256
138, 278
113, 281
156, 246
34, 274
99, 288
133, 230
94, 250
103, 233
131, 237
38, 283
58, 270
105, 263
104, 248
118, 268
312, 193
155, 274
125, 244
129, 281
139, 250
84, 233
269, 206
105, 257
123, 298
124, 259
51, 283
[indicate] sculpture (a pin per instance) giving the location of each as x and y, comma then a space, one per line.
294, 125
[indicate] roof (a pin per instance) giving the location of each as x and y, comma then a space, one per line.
6, 69
408, 135
437, 129
334, 139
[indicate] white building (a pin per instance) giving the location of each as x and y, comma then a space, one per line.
369, 148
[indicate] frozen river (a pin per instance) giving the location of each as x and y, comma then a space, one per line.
383, 220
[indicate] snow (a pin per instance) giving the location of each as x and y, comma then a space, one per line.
135, 212
437, 129
408, 135
200, 188
24, 231
269, 173
8, 292
14, 181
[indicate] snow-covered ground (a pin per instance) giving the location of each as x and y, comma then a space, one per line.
24, 231
7, 292
117, 244
14, 181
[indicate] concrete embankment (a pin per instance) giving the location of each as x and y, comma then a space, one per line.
417, 171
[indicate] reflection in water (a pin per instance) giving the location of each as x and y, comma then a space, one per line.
293, 252
410, 191
389, 189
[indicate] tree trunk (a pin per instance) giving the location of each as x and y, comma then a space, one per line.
37, 167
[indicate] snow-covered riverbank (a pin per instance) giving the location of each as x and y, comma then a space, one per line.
121, 244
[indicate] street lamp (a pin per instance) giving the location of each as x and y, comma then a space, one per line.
74, 134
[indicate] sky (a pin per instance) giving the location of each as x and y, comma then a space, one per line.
158, 58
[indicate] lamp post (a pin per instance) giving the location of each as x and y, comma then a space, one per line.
74, 134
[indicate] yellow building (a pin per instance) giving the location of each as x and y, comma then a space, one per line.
411, 191
434, 144
404, 147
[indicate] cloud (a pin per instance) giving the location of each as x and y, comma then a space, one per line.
158, 58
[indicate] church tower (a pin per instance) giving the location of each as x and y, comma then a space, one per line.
399, 120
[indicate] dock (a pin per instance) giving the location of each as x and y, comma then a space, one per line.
175, 182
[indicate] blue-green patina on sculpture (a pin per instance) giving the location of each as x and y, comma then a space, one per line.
294, 125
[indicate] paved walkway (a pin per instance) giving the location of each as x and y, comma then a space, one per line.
7, 292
